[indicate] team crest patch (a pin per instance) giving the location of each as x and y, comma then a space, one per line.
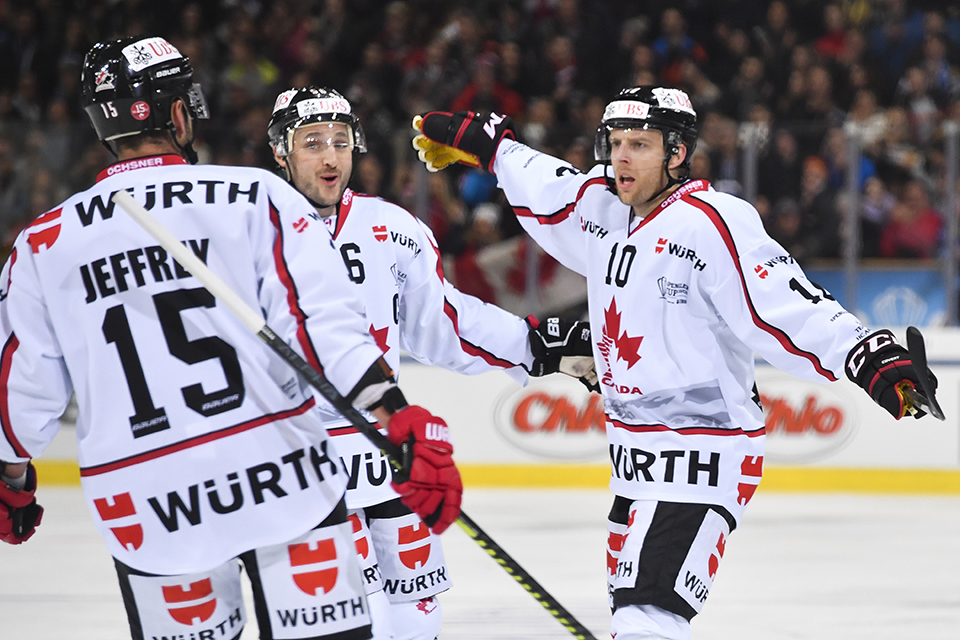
105, 80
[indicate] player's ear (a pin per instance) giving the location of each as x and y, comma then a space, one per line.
280, 160
180, 117
677, 159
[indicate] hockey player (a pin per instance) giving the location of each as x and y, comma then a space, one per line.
684, 286
198, 447
394, 261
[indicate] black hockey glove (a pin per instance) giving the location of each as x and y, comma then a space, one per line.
465, 137
883, 368
562, 346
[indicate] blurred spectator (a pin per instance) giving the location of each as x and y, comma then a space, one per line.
775, 39
434, 83
779, 169
674, 46
248, 73
820, 220
835, 154
914, 228
898, 32
832, 43
913, 93
877, 205
785, 225
485, 93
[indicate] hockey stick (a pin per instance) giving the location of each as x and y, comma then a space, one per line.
255, 323
918, 354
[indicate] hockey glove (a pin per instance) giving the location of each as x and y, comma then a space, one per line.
429, 482
882, 367
562, 346
19, 512
464, 136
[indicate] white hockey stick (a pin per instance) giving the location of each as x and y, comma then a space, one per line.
399, 458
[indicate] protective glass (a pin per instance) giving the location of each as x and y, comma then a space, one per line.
317, 139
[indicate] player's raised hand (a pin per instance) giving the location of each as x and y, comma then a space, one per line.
463, 136
19, 512
882, 367
429, 483
563, 346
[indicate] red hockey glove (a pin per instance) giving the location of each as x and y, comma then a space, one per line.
562, 346
882, 367
429, 483
19, 512
465, 137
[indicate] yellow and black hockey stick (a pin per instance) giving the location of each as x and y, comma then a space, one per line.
398, 456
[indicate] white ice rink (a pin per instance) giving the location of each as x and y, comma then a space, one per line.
821, 567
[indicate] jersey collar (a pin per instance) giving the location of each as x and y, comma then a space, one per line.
343, 210
140, 163
686, 188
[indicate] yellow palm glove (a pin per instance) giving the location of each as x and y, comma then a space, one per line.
438, 156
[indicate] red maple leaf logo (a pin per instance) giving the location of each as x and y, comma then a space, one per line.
380, 337
627, 347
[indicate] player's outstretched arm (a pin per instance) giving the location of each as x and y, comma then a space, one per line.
884, 369
20, 514
463, 136
562, 346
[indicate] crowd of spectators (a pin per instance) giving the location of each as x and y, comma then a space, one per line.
798, 72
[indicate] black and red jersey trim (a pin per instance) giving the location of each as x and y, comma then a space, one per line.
451, 312
562, 214
686, 431
293, 298
6, 360
785, 341
189, 443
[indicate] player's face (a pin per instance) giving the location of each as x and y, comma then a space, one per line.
321, 160
637, 159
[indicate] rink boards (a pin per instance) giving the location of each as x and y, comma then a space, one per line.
820, 436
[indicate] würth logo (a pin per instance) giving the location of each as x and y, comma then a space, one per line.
380, 233
300, 225
414, 555
363, 545
45, 234
324, 578
763, 273
661, 243
199, 599
130, 536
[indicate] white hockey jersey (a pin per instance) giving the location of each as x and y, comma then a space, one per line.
195, 441
393, 257
679, 302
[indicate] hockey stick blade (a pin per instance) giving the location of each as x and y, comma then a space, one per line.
255, 322
918, 354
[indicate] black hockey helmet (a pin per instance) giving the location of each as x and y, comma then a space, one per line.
129, 84
295, 108
665, 109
